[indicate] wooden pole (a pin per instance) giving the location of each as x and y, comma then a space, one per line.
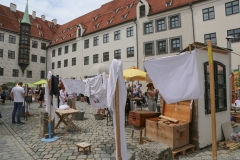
117, 115
212, 100
49, 116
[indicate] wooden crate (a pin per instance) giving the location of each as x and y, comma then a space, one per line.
174, 135
137, 118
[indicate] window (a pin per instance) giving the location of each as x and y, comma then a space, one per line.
74, 61
29, 74
59, 51
176, 44
129, 31
208, 13
59, 64
86, 60
235, 33
130, 52
34, 58
149, 49
53, 65
174, 21
95, 58
42, 59
1, 71
106, 38
42, 75
79, 32
1, 52
24, 40
117, 35
86, 43
65, 63
12, 39
66, 49
117, 54
142, 11
74, 47
210, 36
232, 7
220, 87
148, 28
161, 24
105, 56
162, 47
15, 73
53, 53
43, 46
34, 44
11, 54
1, 37
95, 41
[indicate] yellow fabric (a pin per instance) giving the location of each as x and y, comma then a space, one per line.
43, 81
134, 74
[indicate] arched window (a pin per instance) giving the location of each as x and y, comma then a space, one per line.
220, 87
142, 11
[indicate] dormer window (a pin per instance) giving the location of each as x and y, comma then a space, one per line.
142, 11
95, 18
97, 25
70, 28
38, 26
71, 34
64, 31
124, 16
40, 34
63, 37
110, 21
169, 3
56, 40
49, 25
130, 5
79, 32
116, 10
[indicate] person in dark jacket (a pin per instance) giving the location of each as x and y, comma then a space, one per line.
4, 94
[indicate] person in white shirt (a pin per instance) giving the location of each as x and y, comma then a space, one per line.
17, 94
63, 96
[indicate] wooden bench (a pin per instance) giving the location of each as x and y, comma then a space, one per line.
84, 145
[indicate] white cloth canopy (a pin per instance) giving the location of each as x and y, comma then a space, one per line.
74, 86
116, 73
176, 77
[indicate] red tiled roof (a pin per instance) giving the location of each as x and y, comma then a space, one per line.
11, 21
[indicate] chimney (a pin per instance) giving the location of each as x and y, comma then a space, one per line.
34, 14
54, 21
43, 17
13, 7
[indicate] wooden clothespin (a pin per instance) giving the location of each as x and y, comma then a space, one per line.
190, 48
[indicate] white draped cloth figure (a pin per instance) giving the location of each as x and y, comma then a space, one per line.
116, 74
48, 98
176, 77
74, 86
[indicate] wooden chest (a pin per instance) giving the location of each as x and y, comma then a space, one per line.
175, 135
137, 118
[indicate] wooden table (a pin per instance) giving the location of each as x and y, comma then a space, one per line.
64, 117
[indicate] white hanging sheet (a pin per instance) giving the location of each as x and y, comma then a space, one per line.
74, 86
176, 77
116, 73
96, 90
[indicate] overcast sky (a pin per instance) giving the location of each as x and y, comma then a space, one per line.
63, 10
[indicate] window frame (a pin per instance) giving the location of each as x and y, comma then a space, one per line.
65, 63
34, 44
231, 7
74, 61
42, 59
1, 53
58, 64
42, 74
106, 38
53, 53
210, 34
130, 30
86, 60
144, 48
60, 51
129, 49
165, 24
1, 71
11, 54
33, 58
117, 35
53, 65
170, 42
105, 56
15, 73
233, 35
157, 47
95, 56
144, 27
74, 47
2, 37
116, 52
142, 13
96, 41
43, 46
217, 87
66, 49
86, 45
208, 13
29, 74
179, 20
12, 39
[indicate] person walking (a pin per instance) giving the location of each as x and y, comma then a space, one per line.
29, 101
40, 96
17, 94
152, 105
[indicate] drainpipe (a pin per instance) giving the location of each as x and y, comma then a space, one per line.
193, 28
135, 21
229, 46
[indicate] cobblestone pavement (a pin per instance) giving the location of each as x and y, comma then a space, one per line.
23, 142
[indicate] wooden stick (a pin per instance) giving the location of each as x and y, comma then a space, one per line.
212, 100
168, 118
117, 113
